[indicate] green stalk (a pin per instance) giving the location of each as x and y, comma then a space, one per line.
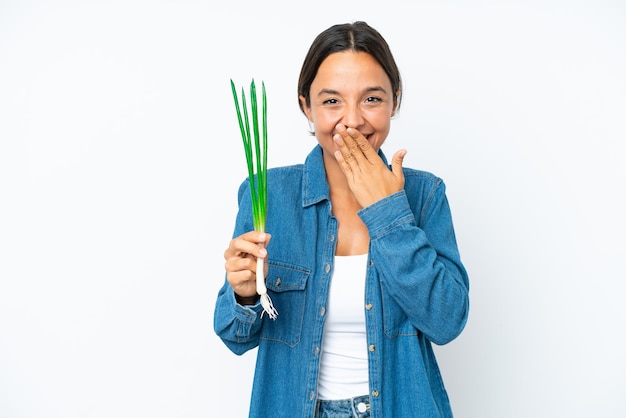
245, 136
260, 185
263, 198
256, 154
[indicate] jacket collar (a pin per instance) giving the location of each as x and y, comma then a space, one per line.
314, 183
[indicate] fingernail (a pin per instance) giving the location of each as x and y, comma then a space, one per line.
340, 127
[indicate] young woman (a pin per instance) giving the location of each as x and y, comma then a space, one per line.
362, 265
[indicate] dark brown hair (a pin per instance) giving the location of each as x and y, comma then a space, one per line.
358, 37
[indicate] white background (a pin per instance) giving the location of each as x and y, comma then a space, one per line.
120, 159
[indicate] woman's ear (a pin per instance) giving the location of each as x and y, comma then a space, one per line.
306, 109
396, 100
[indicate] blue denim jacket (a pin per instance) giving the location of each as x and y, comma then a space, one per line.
416, 294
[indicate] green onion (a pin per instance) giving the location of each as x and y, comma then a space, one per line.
255, 147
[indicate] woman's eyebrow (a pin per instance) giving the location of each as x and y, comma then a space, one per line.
327, 91
375, 89
367, 90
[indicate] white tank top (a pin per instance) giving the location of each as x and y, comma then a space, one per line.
343, 367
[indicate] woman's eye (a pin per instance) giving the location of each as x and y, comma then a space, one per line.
373, 99
330, 101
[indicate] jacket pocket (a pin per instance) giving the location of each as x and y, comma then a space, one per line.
286, 286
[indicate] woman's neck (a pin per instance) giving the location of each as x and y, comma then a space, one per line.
352, 234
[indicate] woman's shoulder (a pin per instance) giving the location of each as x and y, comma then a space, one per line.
286, 169
416, 177
285, 173
278, 175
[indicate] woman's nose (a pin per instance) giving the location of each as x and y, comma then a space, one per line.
352, 117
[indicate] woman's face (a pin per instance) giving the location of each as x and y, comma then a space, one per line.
350, 88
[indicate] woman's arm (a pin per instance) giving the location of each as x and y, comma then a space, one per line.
419, 263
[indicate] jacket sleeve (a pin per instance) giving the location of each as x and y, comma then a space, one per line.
238, 326
418, 260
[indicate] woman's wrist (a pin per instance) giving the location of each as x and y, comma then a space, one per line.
246, 300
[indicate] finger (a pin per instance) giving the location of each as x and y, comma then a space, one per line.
342, 147
248, 244
256, 237
346, 140
343, 163
347, 155
241, 271
396, 163
243, 282
244, 262
361, 143
355, 147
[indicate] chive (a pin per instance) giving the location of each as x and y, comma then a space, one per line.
255, 147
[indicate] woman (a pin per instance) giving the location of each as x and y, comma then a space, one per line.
363, 265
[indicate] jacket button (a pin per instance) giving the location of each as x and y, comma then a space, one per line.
368, 306
372, 347
277, 282
322, 311
375, 393
327, 268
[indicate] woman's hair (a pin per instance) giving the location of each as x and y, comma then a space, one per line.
358, 37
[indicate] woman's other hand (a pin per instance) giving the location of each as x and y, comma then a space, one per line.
368, 177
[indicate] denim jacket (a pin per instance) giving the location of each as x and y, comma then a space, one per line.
416, 293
